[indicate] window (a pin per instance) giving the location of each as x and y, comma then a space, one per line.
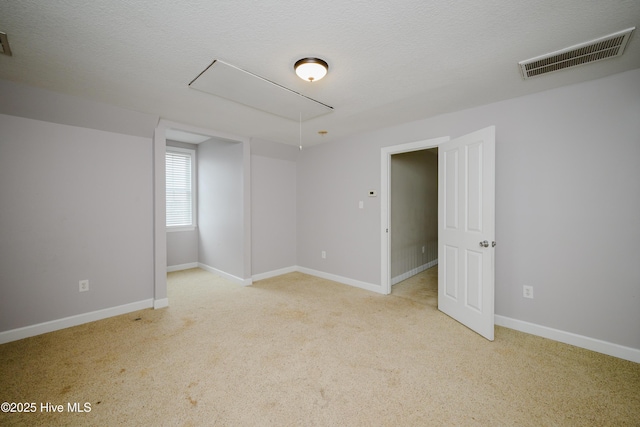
181, 191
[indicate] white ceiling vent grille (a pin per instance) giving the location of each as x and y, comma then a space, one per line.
595, 50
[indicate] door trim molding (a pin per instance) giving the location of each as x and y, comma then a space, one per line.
385, 207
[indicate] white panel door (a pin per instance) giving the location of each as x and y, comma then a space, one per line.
466, 227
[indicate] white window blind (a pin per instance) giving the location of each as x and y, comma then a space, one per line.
180, 187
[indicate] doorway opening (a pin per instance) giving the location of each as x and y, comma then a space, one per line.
413, 224
466, 225
403, 254
202, 243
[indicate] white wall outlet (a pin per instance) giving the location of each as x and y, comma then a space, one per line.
83, 286
527, 291
373, 193
423, 249
361, 204
324, 255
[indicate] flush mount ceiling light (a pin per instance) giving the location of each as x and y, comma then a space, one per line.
311, 69
243, 87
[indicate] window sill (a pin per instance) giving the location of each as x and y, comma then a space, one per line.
185, 228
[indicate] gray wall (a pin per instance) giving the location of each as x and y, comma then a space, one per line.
182, 246
567, 203
76, 204
414, 212
40, 104
273, 206
332, 179
221, 213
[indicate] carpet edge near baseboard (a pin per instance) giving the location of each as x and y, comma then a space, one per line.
593, 344
67, 322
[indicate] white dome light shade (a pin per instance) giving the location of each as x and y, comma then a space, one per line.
311, 69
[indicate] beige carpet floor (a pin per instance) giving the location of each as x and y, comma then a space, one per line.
297, 350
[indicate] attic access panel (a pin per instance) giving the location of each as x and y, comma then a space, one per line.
235, 84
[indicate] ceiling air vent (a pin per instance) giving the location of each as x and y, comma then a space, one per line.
595, 50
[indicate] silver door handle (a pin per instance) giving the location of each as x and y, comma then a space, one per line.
484, 244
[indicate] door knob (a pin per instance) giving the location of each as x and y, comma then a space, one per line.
484, 244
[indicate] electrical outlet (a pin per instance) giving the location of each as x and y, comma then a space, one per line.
423, 249
324, 255
83, 286
527, 291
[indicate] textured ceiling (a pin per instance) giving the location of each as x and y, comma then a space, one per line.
390, 62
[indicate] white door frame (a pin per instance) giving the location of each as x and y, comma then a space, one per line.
385, 203
161, 299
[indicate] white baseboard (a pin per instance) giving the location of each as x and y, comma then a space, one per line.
67, 322
180, 267
161, 303
413, 272
345, 280
274, 273
243, 282
592, 344
321, 274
